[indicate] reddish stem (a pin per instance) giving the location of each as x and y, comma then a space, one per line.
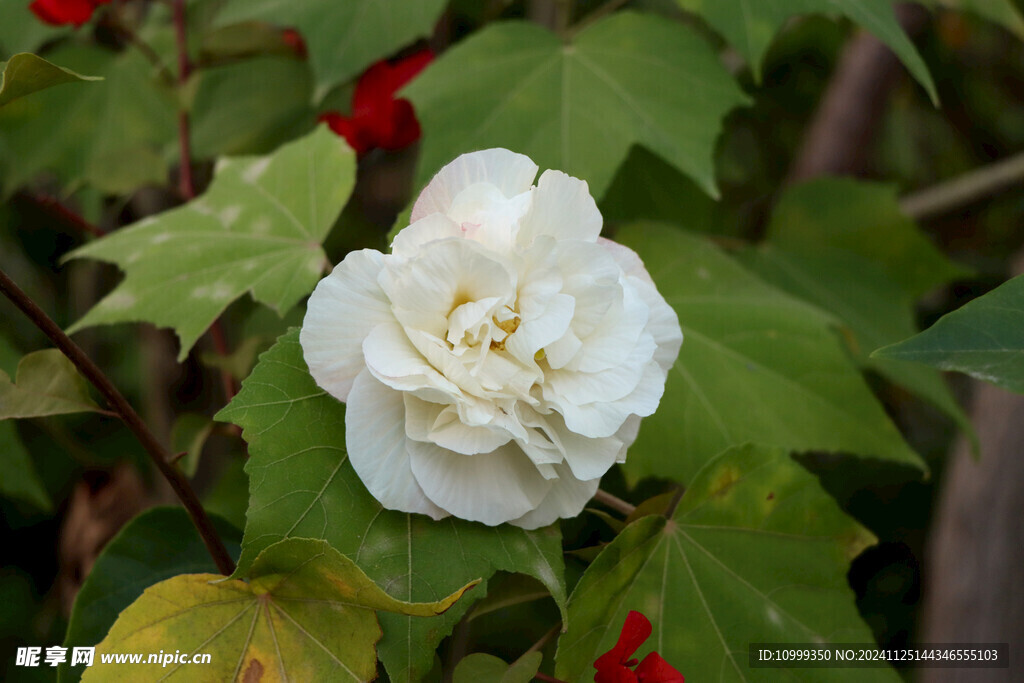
159, 454
220, 345
184, 69
548, 679
67, 215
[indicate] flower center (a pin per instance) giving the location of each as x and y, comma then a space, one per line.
508, 327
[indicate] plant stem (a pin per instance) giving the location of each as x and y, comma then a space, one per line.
544, 639
184, 69
614, 502
186, 186
220, 345
965, 189
156, 451
547, 679
66, 215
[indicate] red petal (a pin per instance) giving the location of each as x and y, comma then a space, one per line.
356, 136
60, 12
378, 84
404, 128
404, 70
654, 669
635, 631
616, 674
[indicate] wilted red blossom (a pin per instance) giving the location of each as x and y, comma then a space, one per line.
615, 665
378, 119
60, 12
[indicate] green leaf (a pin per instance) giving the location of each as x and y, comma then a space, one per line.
756, 365
110, 134
628, 79
813, 223
750, 26
343, 38
306, 613
756, 552
856, 217
301, 484
257, 229
188, 436
984, 339
27, 73
158, 544
479, 667
250, 107
20, 480
46, 383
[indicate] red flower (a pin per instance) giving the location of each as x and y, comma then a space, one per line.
378, 119
60, 12
614, 666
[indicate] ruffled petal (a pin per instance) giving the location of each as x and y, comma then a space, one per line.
428, 229
441, 424
342, 310
566, 498
492, 488
563, 208
511, 173
376, 442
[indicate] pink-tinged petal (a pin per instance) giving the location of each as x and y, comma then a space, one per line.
566, 498
376, 442
492, 488
563, 208
654, 669
511, 173
343, 309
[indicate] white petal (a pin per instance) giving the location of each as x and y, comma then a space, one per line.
562, 207
444, 275
441, 424
577, 387
376, 443
486, 216
510, 172
627, 435
491, 487
663, 323
547, 328
393, 360
604, 419
343, 309
563, 351
566, 498
428, 229
617, 336
588, 458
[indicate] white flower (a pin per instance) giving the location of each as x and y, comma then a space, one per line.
499, 360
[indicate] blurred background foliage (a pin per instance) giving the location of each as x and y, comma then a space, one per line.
108, 151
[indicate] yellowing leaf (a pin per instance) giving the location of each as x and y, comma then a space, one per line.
46, 383
306, 614
257, 229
